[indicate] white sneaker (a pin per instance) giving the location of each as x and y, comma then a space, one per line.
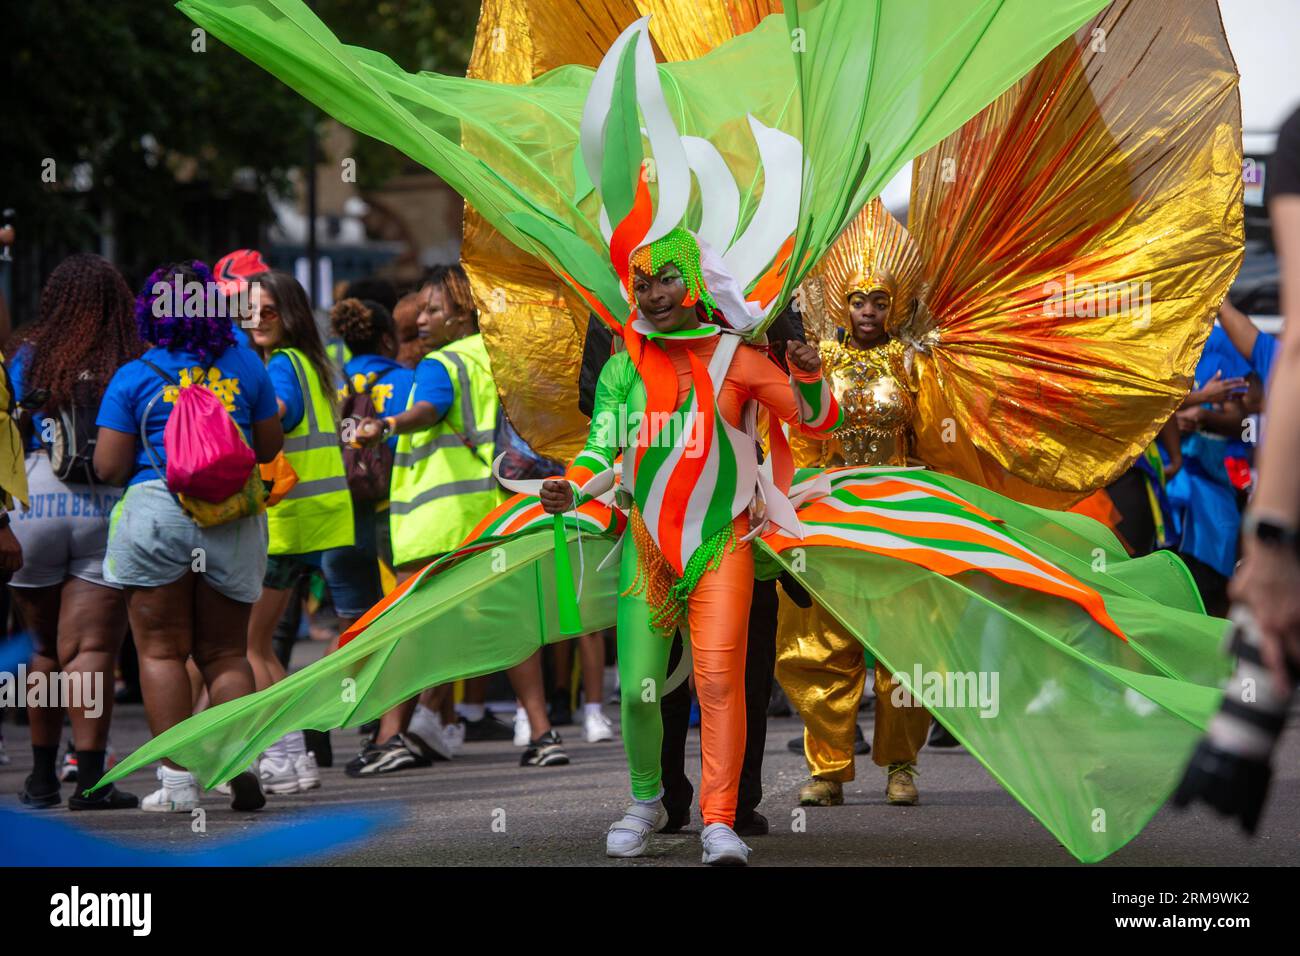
453, 736
722, 847
181, 797
222, 788
304, 765
597, 727
523, 730
426, 732
278, 775
629, 836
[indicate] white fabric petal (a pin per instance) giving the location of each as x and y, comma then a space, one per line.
778, 210
719, 194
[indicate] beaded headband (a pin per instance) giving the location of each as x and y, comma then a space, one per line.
679, 247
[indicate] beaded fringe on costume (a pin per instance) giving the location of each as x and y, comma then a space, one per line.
666, 593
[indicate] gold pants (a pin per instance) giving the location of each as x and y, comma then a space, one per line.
822, 670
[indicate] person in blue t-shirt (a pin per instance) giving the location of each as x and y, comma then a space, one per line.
368, 330
61, 366
449, 314
190, 590
1257, 349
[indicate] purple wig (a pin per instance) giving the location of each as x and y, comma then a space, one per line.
171, 318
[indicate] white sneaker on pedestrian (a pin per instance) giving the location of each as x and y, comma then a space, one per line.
453, 736
629, 836
426, 732
179, 793
523, 730
597, 727
304, 765
722, 847
278, 775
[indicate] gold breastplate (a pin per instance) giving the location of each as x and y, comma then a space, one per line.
869, 385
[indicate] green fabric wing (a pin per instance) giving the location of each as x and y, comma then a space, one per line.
481, 615
864, 86
1089, 732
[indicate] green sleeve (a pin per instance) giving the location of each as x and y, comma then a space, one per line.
609, 420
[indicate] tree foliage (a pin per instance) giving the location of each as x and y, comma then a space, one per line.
147, 131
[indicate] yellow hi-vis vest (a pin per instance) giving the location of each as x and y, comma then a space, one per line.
13, 472
316, 514
441, 486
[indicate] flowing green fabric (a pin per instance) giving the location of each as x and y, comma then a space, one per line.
864, 85
1089, 732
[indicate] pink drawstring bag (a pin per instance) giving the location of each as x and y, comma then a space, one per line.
207, 457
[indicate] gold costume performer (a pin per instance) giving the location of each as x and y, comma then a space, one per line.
819, 664
1065, 251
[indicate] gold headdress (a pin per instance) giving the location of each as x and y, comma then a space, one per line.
873, 254
878, 278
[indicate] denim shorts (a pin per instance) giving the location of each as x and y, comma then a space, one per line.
351, 574
152, 542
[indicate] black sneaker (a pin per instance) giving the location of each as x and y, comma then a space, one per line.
388, 757
246, 794
425, 754
42, 800
546, 751
753, 825
109, 798
487, 728
795, 745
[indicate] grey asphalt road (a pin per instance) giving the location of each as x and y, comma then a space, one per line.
483, 809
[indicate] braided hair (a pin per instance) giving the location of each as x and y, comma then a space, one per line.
85, 333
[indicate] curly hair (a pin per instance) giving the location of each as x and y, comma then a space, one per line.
85, 332
169, 317
362, 325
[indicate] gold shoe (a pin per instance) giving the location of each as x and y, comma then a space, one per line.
900, 789
821, 793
